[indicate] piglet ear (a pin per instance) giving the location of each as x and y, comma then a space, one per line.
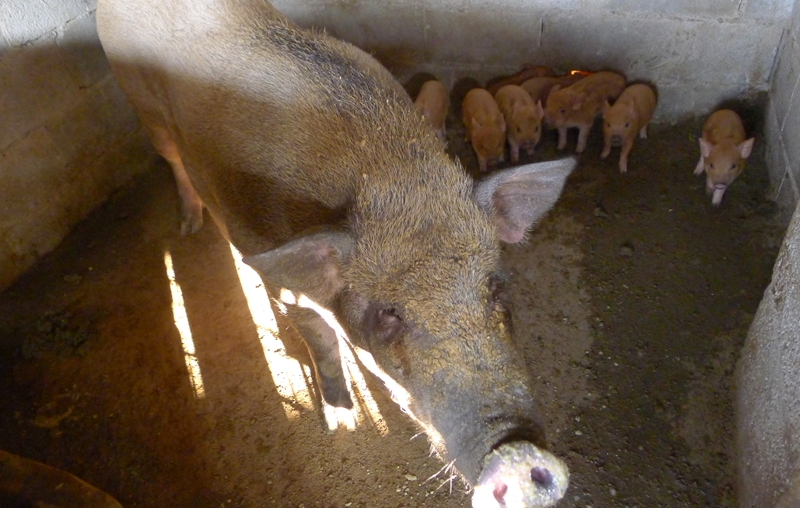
705, 147
516, 198
539, 109
745, 148
311, 264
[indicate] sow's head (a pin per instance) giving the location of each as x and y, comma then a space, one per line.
425, 296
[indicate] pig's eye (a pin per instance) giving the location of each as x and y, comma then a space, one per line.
388, 323
518, 130
711, 166
562, 110
627, 124
733, 166
498, 293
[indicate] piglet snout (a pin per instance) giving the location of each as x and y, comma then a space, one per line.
616, 140
520, 475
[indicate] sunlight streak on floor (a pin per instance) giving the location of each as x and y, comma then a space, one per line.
290, 376
182, 324
365, 409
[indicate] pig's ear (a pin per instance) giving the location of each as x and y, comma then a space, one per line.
555, 88
475, 123
745, 148
705, 147
539, 109
516, 198
311, 265
606, 107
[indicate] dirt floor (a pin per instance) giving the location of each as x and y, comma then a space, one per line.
631, 303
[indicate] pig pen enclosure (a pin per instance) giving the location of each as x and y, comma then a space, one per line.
144, 363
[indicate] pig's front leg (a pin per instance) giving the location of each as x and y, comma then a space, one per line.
562, 138
583, 136
513, 147
323, 345
623, 156
698, 170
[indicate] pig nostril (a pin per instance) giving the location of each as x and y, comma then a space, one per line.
499, 492
541, 476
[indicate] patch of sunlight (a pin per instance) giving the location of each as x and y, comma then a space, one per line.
182, 324
291, 378
365, 409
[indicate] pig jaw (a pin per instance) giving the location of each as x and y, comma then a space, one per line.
520, 475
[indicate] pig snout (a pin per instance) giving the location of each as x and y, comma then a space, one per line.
717, 191
616, 140
520, 475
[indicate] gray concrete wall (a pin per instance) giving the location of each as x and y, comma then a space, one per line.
782, 130
697, 53
67, 135
768, 374
768, 389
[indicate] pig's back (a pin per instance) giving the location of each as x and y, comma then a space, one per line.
723, 125
272, 123
479, 104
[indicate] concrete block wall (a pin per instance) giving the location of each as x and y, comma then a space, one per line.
768, 374
696, 53
782, 129
67, 134
768, 390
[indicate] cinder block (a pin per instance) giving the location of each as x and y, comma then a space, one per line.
775, 156
84, 132
791, 135
27, 20
678, 8
527, 6
82, 53
35, 85
394, 33
785, 79
500, 37
773, 10
684, 101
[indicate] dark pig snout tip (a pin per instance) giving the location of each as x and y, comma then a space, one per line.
520, 475
616, 140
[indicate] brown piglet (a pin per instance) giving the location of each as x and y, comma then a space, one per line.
578, 105
432, 103
517, 79
523, 119
630, 114
486, 127
723, 149
539, 88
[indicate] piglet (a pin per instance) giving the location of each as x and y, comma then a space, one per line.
523, 119
539, 88
432, 104
486, 127
723, 149
578, 105
630, 114
520, 77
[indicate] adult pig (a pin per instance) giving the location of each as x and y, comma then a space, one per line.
523, 119
315, 165
431, 102
578, 105
485, 127
723, 149
628, 116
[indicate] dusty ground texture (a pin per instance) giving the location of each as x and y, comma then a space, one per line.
631, 303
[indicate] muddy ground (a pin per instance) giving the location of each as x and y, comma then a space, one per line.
631, 303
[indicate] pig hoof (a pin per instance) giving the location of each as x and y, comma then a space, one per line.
192, 224
334, 391
604, 154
